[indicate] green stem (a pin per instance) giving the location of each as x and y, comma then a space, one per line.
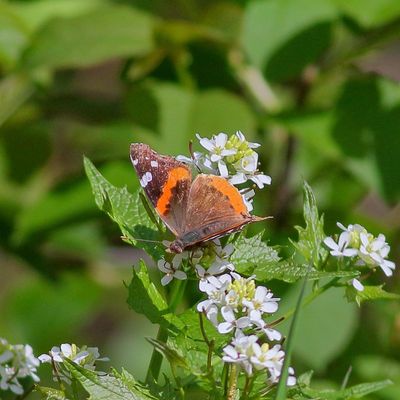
247, 387
74, 389
311, 297
232, 383
156, 357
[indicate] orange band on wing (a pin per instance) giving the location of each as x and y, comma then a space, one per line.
174, 176
231, 192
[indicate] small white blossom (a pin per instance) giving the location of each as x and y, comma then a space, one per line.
357, 285
16, 362
231, 322
217, 146
172, 271
85, 356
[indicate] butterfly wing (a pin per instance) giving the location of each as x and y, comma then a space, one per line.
166, 183
215, 208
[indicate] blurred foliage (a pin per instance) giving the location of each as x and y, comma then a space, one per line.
91, 77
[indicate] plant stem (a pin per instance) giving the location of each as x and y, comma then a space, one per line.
153, 370
232, 383
311, 297
247, 387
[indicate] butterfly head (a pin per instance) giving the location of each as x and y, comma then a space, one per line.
177, 246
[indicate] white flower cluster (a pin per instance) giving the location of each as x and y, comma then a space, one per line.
232, 158
250, 355
85, 356
371, 251
236, 304
16, 362
216, 254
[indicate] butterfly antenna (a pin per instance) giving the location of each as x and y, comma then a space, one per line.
192, 155
126, 238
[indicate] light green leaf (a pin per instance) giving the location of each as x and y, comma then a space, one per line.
370, 293
370, 13
126, 210
130, 382
48, 393
101, 386
14, 91
252, 254
99, 35
325, 328
310, 240
270, 24
145, 299
354, 392
290, 271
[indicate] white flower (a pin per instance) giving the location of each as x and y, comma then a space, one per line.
357, 285
242, 139
16, 361
257, 320
85, 356
216, 146
340, 249
172, 270
263, 300
231, 322
240, 351
200, 161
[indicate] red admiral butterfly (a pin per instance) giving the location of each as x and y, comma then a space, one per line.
194, 211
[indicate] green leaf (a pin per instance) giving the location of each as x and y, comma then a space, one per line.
101, 386
130, 382
99, 35
354, 392
370, 293
370, 13
48, 393
290, 271
252, 254
145, 299
172, 355
126, 210
14, 91
270, 24
310, 240
326, 327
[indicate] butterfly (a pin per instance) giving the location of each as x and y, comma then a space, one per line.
195, 211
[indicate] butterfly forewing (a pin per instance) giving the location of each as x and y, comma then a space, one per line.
166, 183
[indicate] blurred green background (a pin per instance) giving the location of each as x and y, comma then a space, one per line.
316, 82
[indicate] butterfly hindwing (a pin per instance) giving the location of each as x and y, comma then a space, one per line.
166, 183
215, 208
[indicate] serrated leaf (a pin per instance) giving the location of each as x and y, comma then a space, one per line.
354, 392
370, 293
145, 299
252, 253
310, 240
101, 386
289, 271
130, 382
126, 210
48, 393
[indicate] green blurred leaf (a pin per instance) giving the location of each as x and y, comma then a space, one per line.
145, 299
14, 91
270, 24
370, 293
173, 356
370, 14
99, 35
310, 240
354, 392
326, 327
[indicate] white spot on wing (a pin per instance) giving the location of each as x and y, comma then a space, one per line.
154, 163
135, 162
145, 179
